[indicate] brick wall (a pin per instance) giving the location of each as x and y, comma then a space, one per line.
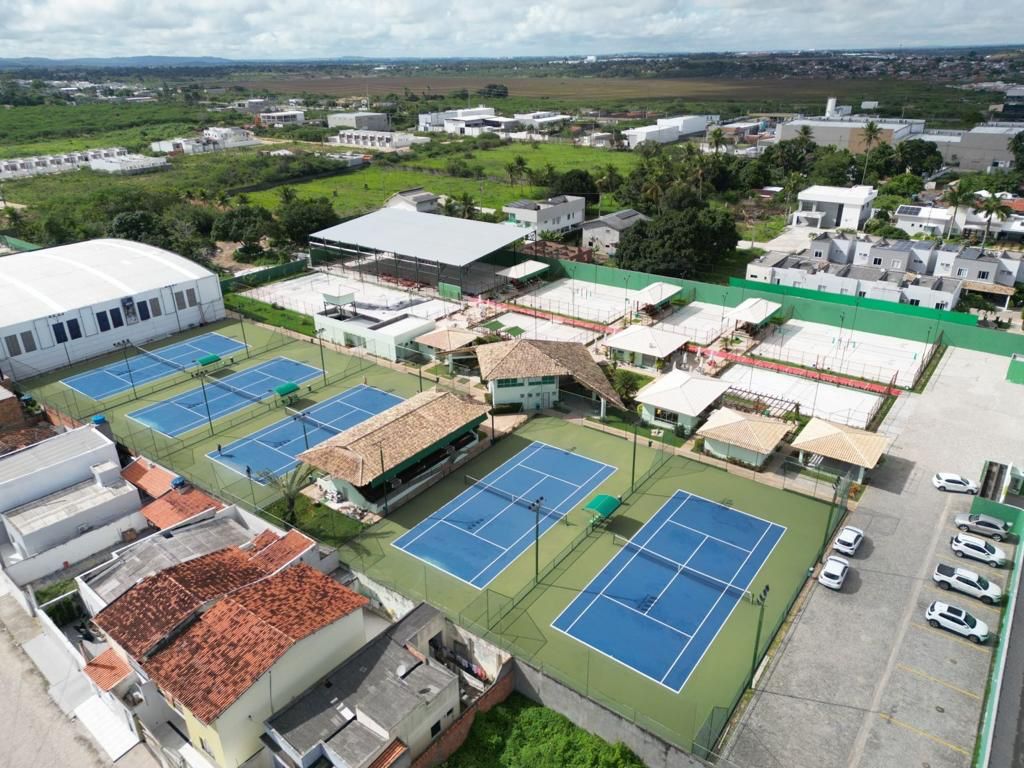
11, 416
453, 738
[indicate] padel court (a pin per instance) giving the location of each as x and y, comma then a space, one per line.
273, 449
659, 603
140, 369
188, 410
478, 534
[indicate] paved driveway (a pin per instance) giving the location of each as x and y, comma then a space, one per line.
861, 679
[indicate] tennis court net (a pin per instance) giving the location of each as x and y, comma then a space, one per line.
314, 423
163, 360
680, 569
523, 501
235, 390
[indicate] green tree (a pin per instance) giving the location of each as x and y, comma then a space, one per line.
513, 172
834, 167
626, 383
467, 206
956, 196
805, 135
871, 134
905, 185
716, 139
298, 218
1016, 147
139, 226
678, 243
577, 182
246, 224
289, 485
919, 156
991, 207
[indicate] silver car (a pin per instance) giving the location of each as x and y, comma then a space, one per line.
993, 527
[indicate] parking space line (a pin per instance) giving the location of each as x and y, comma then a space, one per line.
925, 734
922, 674
950, 636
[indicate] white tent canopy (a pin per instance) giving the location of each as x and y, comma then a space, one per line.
424, 236
753, 311
522, 271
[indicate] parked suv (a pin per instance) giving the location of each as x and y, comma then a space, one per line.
968, 582
965, 545
993, 527
956, 620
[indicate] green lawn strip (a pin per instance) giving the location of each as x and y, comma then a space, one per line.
55, 590
266, 313
317, 520
564, 157
762, 231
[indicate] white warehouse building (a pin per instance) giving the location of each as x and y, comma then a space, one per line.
65, 304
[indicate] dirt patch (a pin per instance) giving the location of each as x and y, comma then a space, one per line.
224, 257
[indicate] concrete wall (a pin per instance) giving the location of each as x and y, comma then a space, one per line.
108, 511
734, 453
531, 396
52, 477
655, 752
687, 421
31, 568
173, 318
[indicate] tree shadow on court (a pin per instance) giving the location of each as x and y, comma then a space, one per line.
892, 475
624, 526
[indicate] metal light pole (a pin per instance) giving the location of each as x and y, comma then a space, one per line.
305, 436
123, 345
380, 447
632, 476
252, 490
209, 416
536, 539
241, 324
323, 365
759, 601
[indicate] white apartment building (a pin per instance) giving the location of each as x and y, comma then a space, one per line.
827, 207
229, 137
285, 117
541, 121
435, 121
382, 140
24, 167
562, 213
668, 129
363, 121
73, 302
128, 165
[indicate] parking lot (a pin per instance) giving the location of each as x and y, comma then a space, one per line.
861, 679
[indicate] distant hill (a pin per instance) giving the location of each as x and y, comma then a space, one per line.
35, 62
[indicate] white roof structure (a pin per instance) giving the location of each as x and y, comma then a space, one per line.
520, 271
645, 340
655, 293
50, 452
859, 195
753, 311
682, 392
424, 236
35, 284
928, 213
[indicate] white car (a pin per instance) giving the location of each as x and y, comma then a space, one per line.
848, 540
965, 545
968, 582
956, 620
833, 572
947, 481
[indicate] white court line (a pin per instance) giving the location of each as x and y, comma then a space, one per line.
712, 609
709, 536
482, 538
649, 618
617, 573
674, 577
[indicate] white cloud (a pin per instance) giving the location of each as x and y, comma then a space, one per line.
256, 29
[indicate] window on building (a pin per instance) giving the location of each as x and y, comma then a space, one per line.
896, 264
59, 333
450, 712
143, 309
115, 317
102, 321
28, 341
505, 383
179, 300
983, 275
877, 261
914, 302
668, 416
941, 305
861, 294
961, 272
154, 307
74, 329
818, 254
190, 295
13, 347
205, 746
435, 729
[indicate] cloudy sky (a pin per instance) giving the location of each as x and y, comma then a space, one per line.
244, 29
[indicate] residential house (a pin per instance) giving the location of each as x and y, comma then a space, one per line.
281, 118
414, 199
220, 643
381, 140
840, 448
362, 121
828, 207
451, 120
603, 233
745, 438
542, 120
919, 219
644, 346
382, 707
562, 213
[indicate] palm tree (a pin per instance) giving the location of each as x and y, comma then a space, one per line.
989, 207
805, 134
716, 138
513, 172
289, 485
872, 135
956, 196
795, 182
521, 164
287, 195
450, 206
467, 206
608, 181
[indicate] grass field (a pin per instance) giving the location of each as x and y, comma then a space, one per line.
367, 189
564, 157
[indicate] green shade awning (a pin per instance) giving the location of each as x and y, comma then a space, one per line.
604, 505
208, 360
515, 330
286, 389
494, 325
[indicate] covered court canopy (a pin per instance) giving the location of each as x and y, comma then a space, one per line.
523, 271
424, 236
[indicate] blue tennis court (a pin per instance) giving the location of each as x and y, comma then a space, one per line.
118, 377
478, 534
658, 605
187, 411
273, 449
